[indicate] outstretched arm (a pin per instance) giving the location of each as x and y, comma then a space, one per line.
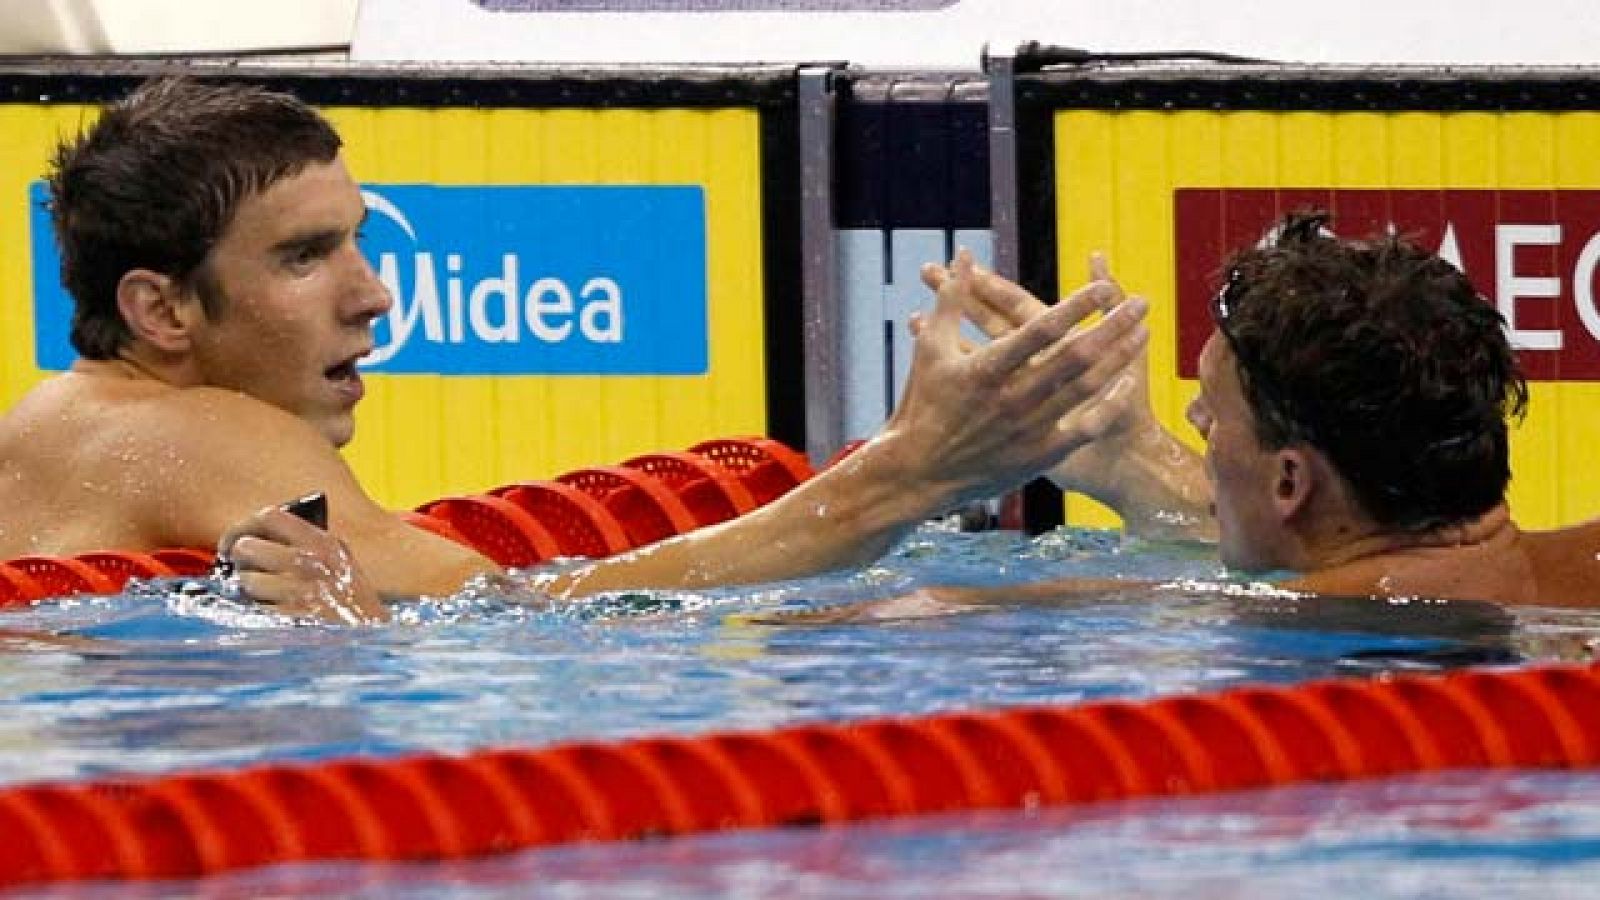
944, 600
1131, 463
968, 426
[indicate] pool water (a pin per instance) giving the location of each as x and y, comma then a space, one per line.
157, 681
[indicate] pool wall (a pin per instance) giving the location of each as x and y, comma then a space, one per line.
518, 206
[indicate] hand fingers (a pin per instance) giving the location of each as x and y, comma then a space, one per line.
1002, 304
943, 325
286, 594
1006, 354
914, 324
304, 584
272, 523
293, 597
979, 313
282, 560
987, 318
1093, 418
1100, 384
1083, 351
1066, 375
995, 304
258, 554
1099, 269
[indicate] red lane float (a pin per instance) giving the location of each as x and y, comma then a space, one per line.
184, 561
767, 468
497, 528
440, 807
713, 494
648, 510
580, 524
63, 575
589, 512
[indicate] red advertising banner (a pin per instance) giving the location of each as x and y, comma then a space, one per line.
1531, 253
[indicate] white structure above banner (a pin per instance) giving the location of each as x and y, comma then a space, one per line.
951, 34
174, 27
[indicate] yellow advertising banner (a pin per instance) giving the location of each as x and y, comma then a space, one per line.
1512, 197
572, 286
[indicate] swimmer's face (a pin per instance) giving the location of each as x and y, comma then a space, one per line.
1242, 471
296, 300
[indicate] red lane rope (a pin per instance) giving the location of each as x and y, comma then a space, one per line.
647, 510
712, 493
767, 468
442, 807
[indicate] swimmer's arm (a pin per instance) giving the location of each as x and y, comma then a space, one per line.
1152, 479
834, 520
947, 600
970, 424
1566, 563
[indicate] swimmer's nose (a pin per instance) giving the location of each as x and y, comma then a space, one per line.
372, 295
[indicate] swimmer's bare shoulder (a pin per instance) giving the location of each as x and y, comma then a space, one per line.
179, 466
137, 464
1566, 563
241, 454
76, 460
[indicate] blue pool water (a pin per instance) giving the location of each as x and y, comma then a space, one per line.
161, 682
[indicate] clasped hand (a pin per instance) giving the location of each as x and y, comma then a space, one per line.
978, 420
299, 569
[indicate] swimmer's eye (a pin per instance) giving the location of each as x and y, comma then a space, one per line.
302, 255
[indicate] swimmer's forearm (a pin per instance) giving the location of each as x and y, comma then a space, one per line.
942, 600
1159, 487
848, 516
403, 561
1057, 591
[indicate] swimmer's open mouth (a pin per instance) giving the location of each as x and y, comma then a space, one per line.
345, 380
345, 371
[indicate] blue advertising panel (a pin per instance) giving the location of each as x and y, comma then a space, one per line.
505, 280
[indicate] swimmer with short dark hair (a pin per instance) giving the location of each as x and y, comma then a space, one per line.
1354, 399
208, 238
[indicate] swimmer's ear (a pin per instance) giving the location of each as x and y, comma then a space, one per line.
152, 305
1294, 481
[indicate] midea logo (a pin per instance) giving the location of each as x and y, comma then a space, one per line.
436, 302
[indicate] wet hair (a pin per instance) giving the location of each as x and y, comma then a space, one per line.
1382, 356
156, 181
